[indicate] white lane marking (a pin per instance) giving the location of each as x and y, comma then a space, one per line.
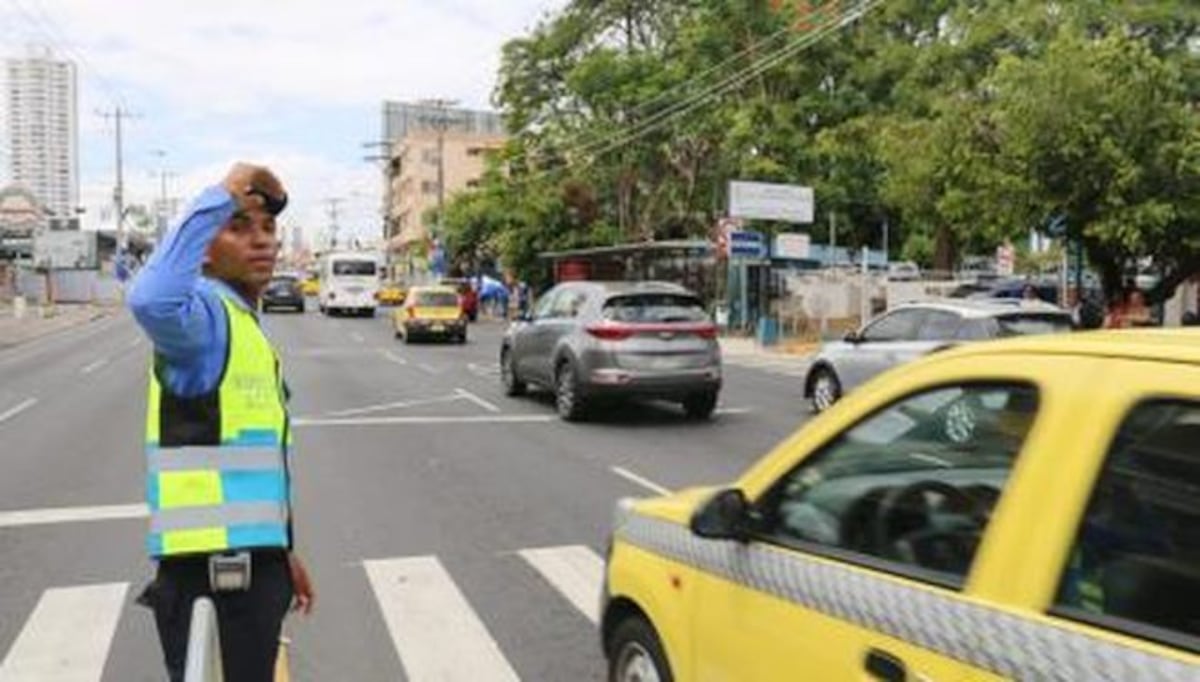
52, 341
358, 338
734, 410
36, 517
640, 480
467, 395
393, 406
413, 421
68, 636
435, 631
394, 358
92, 367
426, 368
9, 414
575, 571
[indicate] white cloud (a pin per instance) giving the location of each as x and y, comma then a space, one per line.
210, 81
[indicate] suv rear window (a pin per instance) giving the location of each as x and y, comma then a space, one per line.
436, 299
353, 267
654, 308
1029, 325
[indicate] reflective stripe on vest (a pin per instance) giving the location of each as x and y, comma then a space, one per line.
216, 468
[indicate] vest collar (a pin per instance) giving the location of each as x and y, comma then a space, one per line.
230, 293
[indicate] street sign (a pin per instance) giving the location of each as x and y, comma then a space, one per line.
770, 201
792, 246
64, 250
746, 244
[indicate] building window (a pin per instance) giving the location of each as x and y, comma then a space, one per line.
429, 186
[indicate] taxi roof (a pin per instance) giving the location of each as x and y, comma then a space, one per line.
433, 289
1180, 345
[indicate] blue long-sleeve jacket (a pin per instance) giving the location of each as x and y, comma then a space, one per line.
178, 307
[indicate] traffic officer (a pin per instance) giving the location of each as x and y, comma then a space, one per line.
217, 432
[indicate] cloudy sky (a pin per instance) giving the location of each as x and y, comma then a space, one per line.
297, 84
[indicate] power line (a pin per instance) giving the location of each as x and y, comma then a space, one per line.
667, 114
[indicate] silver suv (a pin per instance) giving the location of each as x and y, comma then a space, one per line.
907, 332
592, 341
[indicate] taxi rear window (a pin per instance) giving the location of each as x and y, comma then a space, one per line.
1135, 565
436, 299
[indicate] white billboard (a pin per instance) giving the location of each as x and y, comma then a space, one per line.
770, 201
792, 246
65, 250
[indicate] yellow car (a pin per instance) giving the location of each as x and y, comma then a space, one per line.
391, 294
311, 287
431, 312
1019, 510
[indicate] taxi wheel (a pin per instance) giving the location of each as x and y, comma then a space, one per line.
636, 654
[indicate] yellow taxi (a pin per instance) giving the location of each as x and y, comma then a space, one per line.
431, 312
1019, 510
391, 293
311, 286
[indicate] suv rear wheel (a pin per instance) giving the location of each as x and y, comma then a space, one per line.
567, 401
700, 405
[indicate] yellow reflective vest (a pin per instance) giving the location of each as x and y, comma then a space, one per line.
217, 476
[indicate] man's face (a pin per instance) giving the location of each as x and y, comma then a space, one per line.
243, 252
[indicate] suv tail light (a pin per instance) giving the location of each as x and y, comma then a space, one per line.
609, 332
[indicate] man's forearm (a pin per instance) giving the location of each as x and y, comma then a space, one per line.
164, 296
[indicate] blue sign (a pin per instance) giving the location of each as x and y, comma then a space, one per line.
747, 245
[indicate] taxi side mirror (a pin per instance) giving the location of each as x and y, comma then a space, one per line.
725, 516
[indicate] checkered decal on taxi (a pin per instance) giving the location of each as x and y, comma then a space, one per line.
981, 636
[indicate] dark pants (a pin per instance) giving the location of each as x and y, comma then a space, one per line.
249, 622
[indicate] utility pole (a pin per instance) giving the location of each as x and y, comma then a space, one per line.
440, 122
117, 115
333, 203
164, 211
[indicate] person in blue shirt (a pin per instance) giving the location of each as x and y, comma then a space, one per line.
222, 253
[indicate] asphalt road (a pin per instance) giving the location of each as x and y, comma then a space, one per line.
452, 533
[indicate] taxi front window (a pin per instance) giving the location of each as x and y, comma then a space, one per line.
913, 485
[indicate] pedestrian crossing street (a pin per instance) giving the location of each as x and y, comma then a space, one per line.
436, 633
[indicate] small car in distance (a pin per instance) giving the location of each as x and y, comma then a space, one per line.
431, 312
283, 291
909, 331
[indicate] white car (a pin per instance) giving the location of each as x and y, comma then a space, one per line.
903, 271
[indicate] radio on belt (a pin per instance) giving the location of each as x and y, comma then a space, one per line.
229, 572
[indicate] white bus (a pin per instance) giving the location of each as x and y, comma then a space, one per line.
349, 283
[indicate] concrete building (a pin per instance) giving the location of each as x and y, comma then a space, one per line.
42, 130
412, 132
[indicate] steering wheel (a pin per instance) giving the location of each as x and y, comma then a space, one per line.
902, 528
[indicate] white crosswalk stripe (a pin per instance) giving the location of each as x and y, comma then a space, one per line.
67, 637
575, 571
435, 631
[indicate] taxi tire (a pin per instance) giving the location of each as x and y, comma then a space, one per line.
635, 632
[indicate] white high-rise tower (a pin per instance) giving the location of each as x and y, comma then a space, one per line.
40, 99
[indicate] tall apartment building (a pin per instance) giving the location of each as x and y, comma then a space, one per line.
467, 136
42, 131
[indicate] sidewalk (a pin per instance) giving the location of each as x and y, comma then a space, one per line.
748, 346
38, 323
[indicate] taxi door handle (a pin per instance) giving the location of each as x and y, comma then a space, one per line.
885, 667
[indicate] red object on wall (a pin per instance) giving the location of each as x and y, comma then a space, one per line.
572, 271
